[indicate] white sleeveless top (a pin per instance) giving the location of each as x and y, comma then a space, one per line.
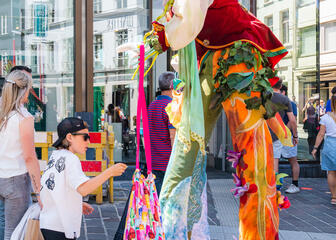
12, 162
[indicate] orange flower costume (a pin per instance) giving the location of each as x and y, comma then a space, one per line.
236, 55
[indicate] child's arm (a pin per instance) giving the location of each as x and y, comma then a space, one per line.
91, 185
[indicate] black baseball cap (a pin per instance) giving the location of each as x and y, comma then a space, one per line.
68, 125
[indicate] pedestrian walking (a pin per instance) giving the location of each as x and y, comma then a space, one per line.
291, 152
328, 105
162, 132
280, 150
64, 183
162, 135
328, 162
18, 162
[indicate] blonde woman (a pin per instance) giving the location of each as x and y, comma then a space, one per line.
19, 166
328, 162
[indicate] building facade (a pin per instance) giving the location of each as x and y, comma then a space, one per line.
71, 47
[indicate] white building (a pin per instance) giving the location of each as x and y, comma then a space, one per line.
328, 47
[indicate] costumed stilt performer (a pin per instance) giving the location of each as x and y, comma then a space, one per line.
226, 59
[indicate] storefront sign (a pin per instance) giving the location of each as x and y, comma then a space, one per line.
120, 23
40, 19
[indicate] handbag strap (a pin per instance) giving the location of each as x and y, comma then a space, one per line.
142, 111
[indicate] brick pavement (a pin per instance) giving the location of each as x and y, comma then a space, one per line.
310, 217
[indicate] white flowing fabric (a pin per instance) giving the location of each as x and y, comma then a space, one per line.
187, 22
33, 212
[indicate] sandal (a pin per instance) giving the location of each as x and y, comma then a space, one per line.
333, 201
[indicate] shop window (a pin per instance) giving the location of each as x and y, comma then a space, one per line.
328, 37
307, 41
269, 22
285, 26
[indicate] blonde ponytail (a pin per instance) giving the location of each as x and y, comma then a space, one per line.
15, 88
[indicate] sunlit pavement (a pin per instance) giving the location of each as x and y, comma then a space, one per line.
311, 215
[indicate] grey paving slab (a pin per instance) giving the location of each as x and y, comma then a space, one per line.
225, 204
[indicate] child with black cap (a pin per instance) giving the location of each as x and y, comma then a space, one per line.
64, 183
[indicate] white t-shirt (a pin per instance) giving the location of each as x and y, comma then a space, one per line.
62, 204
330, 125
12, 162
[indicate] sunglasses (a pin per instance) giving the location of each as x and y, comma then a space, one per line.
85, 135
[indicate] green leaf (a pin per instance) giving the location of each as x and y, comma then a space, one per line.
237, 44
239, 81
262, 71
238, 58
265, 83
273, 108
253, 103
255, 63
233, 52
259, 58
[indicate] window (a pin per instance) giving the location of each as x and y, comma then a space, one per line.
306, 2
122, 37
33, 65
68, 54
98, 51
328, 37
285, 26
97, 6
3, 26
51, 56
121, 3
307, 41
269, 22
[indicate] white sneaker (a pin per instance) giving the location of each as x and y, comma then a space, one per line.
292, 189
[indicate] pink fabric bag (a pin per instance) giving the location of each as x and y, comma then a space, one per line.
144, 215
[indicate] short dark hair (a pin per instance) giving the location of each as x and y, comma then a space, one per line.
21, 68
2, 82
333, 90
278, 84
284, 89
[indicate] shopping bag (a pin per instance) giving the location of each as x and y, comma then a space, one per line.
143, 221
33, 212
33, 231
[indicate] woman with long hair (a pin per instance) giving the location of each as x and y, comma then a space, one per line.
18, 162
328, 163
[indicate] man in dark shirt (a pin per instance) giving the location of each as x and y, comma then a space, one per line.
291, 152
280, 150
161, 131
